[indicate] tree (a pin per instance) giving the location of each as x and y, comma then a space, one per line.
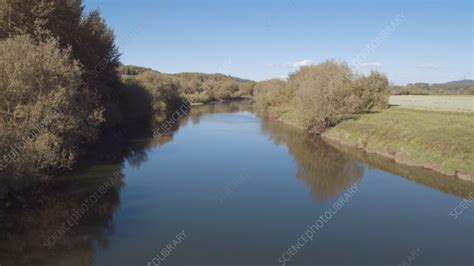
91, 41
323, 94
373, 92
164, 91
226, 89
271, 93
320, 96
246, 88
44, 105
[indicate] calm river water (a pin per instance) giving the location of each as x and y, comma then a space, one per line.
226, 187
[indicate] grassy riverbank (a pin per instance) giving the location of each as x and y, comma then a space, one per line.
442, 141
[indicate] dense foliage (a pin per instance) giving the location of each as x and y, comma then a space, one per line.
319, 96
47, 114
272, 93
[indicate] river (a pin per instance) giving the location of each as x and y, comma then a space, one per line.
226, 187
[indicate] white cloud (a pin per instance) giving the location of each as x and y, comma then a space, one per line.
298, 64
302, 63
371, 64
429, 66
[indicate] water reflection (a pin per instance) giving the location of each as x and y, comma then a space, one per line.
426, 177
324, 169
30, 217
229, 107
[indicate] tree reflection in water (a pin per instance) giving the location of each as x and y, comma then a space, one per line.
29, 218
323, 168
31, 213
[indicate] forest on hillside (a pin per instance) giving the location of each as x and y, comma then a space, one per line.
197, 87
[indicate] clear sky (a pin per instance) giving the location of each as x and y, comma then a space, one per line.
263, 39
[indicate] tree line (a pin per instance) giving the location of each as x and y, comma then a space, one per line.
461, 87
198, 87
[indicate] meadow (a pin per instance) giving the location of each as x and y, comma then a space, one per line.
442, 141
450, 103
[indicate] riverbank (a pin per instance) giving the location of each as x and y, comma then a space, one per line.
440, 141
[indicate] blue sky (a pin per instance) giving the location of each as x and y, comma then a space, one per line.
263, 39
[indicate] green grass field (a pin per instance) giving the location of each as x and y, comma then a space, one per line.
464, 103
442, 141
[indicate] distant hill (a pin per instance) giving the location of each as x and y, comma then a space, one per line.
459, 83
136, 70
456, 87
133, 70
